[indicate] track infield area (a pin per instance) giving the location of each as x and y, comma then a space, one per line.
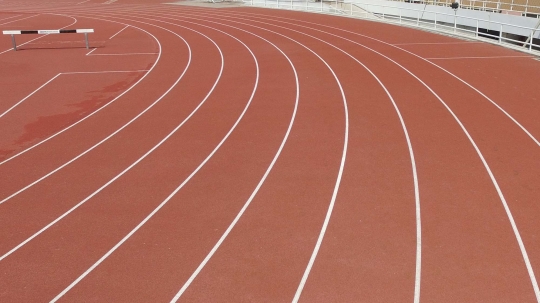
242, 154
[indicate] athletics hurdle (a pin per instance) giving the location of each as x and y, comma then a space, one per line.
47, 32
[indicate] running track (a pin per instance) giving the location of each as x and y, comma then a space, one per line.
256, 155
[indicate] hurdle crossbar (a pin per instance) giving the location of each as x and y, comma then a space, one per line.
47, 32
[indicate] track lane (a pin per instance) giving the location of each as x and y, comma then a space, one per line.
517, 181
124, 201
272, 101
96, 125
310, 178
524, 157
136, 139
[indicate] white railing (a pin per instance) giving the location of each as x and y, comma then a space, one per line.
455, 24
504, 7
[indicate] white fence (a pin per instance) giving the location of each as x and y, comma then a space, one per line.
455, 24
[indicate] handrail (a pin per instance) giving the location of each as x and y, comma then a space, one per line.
397, 14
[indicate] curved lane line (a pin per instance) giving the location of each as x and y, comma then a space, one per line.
430, 62
100, 142
117, 176
413, 164
484, 162
134, 230
94, 112
332, 201
492, 177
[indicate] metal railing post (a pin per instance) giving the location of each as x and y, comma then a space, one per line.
15, 45
291, 5
400, 16
321, 6
86, 40
277, 3
417, 18
500, 34
435, 20
383, 12
477, 28
531, 41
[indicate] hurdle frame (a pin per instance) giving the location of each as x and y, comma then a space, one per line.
48, 32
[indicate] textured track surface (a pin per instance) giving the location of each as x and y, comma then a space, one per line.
257, 155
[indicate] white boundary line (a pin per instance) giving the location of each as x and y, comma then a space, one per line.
484, 162
134, 230
65, 73
118, 32
82, 2
97, 110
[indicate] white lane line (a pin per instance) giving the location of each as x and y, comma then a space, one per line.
28, 96
259, 185
97, 110
492, 177
501, 196
20, 19
10, 17
109, 136
117, 176
93, 49
334, 194
82, 2
134, 230
40, 37
438, 43
118, 32
340, 172
411, 155
65, 73
422, 58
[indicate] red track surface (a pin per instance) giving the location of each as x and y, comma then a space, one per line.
253, 155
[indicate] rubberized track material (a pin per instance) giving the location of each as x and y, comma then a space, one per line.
259, 155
